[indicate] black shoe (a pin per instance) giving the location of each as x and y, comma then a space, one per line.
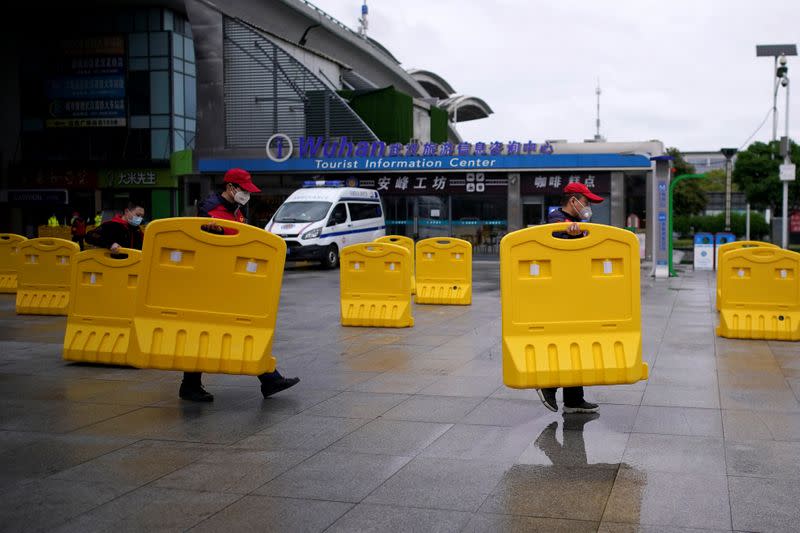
583, 407
195, 394
548, 397
277, 385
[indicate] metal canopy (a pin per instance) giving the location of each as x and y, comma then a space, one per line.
775, 50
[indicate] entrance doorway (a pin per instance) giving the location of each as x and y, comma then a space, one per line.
533, 212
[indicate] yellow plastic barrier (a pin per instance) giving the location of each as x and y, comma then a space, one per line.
571, 308
760, 296
43, 278
100, 319
730, 246
444, 271
207, 302
408, 244
376, 286
9, 261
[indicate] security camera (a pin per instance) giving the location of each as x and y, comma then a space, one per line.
782, 60
784, 82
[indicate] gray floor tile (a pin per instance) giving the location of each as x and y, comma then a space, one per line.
759, 504
489, 523
678, 421
764, 459
137, 464
671, 396
612, 527
675, 453
357, 405
483, 443
552, 492
55, 417
669, 499
435, 483
575, 448
480, 387
302, 432
152, 509
143, 423
370, 518
392, 437
335, 476
509, 413
778, 400
232, 470
264, 513
395, 382
433, 409
761, 425
48, 503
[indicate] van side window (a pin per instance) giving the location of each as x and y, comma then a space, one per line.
363, 211
338, 215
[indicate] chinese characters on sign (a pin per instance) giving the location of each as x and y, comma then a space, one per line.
135, 178
469, 183
553, 183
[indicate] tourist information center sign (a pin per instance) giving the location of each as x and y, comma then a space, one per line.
318, 155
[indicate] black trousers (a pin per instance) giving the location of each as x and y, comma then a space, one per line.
573, 396
194, 379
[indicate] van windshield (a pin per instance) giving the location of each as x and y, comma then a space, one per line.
302, 211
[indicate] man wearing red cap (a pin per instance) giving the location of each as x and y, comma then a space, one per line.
575, 208
228, 205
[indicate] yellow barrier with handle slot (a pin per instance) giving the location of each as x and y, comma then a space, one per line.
101, 306
9, 261
43, 278
376, 286
571, 309
444, 271
760, 294
208, 302
728, 247
408, 244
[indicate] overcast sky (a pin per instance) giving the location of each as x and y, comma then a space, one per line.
680, 71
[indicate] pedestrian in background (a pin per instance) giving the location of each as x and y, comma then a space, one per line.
78, 229
122, 231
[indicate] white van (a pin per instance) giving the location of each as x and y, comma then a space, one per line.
323, 217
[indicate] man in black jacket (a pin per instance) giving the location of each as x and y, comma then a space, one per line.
575, 208
122, 231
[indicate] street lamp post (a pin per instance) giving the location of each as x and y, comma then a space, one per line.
775, 51
728, 153
787, 169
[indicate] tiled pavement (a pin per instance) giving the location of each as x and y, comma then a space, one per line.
405, 430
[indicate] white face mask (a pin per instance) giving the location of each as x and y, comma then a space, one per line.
585, 212
135, 221
241, 197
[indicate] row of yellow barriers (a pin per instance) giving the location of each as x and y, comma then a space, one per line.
758, 291
168, 306
378, 279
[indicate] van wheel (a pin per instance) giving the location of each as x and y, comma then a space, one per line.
331, 257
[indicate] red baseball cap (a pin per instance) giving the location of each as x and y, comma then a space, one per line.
580, 188
241, 178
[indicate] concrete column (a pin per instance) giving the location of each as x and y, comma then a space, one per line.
618, 199
514, 202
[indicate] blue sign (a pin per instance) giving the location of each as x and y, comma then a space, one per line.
79, 87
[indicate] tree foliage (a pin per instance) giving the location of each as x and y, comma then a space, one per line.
756, 174
689, 198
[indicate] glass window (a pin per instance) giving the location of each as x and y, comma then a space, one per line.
190, 97
338, 215
364, 211
155, 19
159, 121
159, 92
302, 211
190, 125
159, 63
188, 49
178, 141
178, 123
177, 46
177, 65
137, 45
189, 69
140, 121
138, 89
177, 94
168, 20
140, 21
138, 63
159, 144
159, 44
